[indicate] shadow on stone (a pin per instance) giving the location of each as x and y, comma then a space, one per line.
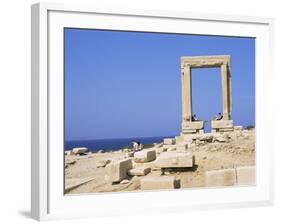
180, 169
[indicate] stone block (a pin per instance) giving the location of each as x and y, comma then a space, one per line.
220, 139
130, 154
169, 141
191, 144
226, 130
125, 181
238, 128
206, 137
221, 124
206, 61
182, 147
158, 183
67, 152
158, 145
175, 160
144, 156
189, 131
197, 125
171, 149
246, 175
188, 137
103, 163
224, 177
150, 165
179, 139
140, 171
79, 150
117, 170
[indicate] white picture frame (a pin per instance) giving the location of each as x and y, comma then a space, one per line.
48, 201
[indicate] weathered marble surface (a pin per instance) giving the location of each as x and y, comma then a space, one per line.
187, 63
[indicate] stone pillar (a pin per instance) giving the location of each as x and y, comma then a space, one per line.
225, 92
186, 94
183, 96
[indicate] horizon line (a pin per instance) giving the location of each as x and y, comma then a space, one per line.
117, 138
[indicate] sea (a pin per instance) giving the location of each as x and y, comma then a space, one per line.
111, 144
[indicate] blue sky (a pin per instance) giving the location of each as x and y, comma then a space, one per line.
127, 84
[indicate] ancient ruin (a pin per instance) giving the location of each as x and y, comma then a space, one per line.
189, 126
193, 159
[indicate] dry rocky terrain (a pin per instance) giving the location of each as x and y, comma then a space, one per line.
87, 173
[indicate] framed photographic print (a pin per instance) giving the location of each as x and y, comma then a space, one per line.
162, 111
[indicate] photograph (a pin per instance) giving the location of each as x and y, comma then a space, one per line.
151, 111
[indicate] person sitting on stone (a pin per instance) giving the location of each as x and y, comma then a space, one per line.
219, 117
194, 118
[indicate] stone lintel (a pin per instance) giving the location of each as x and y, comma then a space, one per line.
205, 61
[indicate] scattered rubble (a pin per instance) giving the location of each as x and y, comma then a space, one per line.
103, 163
117, 171
144, 156
140, 171
220, 139
130, 154
125, 181
169, 141
67, 152
79, 150
168, 166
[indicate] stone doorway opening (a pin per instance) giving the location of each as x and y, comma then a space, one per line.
206, 89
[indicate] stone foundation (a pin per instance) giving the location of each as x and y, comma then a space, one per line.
243, 175
246, 175
222, 126
193, 127
219, 178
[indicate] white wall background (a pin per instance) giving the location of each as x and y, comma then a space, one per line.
15, 110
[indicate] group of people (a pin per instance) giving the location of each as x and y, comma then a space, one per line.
137, 146
217, 118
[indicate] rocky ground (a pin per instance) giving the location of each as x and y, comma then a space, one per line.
86, 173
